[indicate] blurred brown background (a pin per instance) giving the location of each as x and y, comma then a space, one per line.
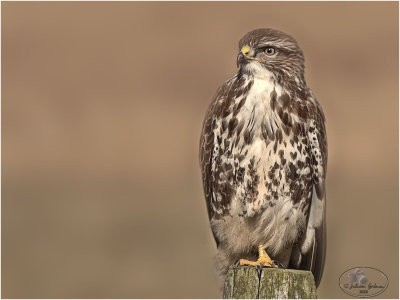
102, 107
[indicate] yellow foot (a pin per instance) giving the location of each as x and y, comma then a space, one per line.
263, 260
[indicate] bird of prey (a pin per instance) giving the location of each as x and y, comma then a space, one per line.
263, 156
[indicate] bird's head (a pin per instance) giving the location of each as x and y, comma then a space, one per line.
266, 51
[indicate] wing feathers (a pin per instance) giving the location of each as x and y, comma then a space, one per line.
207, 146
312, 248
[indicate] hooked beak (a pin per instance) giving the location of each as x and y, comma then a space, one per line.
243, 55
241, 59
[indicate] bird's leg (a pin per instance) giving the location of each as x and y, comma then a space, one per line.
263, 260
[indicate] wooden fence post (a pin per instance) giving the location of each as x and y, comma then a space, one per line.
245, 282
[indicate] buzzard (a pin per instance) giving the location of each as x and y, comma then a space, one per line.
263, 157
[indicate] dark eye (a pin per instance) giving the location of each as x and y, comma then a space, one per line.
269, 51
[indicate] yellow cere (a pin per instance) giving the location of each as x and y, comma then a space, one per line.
245, 50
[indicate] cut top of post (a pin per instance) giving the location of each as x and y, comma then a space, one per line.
247, 283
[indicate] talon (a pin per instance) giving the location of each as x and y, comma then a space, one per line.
279, 264
237, 264
259, 268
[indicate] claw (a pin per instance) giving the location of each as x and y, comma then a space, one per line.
259, 269
279, 264
237, 264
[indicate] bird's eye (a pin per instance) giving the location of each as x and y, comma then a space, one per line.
269, 51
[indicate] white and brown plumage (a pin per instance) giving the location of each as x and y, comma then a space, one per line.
263, 155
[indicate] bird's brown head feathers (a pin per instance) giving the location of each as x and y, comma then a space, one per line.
269, 50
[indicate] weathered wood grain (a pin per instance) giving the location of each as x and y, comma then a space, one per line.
245, 282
